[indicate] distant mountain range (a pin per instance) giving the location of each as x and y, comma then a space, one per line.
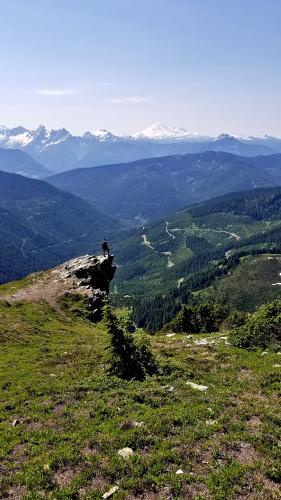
19, 162
41, 226
59, 150
152, 188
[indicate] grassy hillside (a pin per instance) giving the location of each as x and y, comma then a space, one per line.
63, 419
196, 247
198, 239
255, 281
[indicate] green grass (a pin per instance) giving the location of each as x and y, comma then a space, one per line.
72, 418
249, 285
15, 286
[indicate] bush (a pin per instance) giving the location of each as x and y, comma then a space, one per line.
130, 357
262, 329
202, 318
236, 319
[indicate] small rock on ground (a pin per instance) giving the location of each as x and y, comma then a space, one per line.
125, 453
204, 342
111, 492
198, 387
138, 424
211, 422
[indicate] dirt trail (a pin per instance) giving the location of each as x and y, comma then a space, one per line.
146, 242
169, 232
24, 240
32, 225
48, 290
233, 235
175, 229
180, 281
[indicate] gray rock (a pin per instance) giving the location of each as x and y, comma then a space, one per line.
179, 471
126, 453
198, 387
89, 275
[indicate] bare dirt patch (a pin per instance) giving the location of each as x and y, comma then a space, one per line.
244, 453
96, 484
254, 424
19, 454
196, 490
64, 477
48, 290
163, 494
59, 408
17, 492
244, 374
259, 488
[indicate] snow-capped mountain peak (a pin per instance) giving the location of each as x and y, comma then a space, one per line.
159, 131
102, 134
41, 132
60, 150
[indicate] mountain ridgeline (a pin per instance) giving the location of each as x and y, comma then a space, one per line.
152, 188
59, 150
19, 162
42, 226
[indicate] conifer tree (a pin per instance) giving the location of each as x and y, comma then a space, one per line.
130, 358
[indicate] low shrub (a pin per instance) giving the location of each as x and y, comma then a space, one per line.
262, 329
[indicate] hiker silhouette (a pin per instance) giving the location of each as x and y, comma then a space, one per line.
105, 247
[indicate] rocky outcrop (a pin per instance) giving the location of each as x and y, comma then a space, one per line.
89, 275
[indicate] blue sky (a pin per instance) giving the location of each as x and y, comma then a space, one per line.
211, 66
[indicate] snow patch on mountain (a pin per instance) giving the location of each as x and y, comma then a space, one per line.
14, 140
102, 135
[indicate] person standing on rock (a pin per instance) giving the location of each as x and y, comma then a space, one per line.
105, 248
